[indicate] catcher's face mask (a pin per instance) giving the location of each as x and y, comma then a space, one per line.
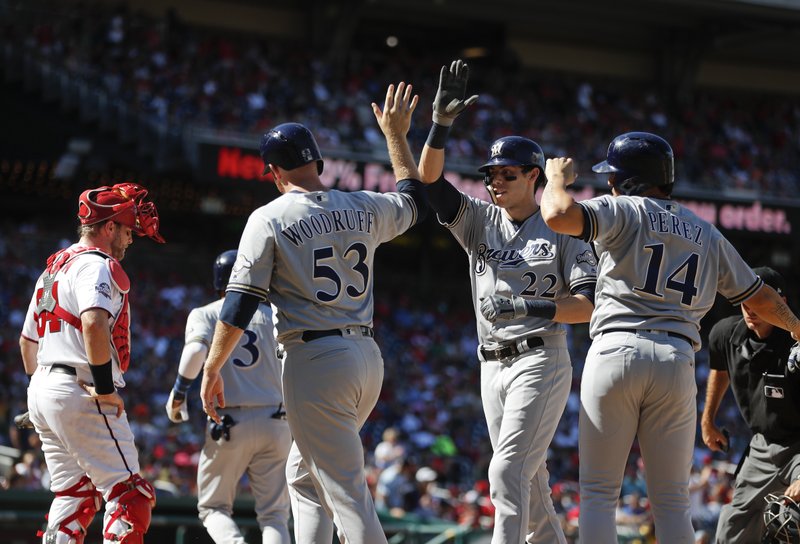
124, 203
781, 520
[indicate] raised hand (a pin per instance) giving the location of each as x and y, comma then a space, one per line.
449, 101
395, 119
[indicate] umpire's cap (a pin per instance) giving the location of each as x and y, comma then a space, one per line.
772, 278
290, 146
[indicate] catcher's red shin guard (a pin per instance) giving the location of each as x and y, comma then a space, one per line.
135, 498
83, 514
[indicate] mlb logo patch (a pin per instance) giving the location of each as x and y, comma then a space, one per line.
306, 153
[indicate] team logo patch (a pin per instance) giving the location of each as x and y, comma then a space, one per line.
497, 148
306, 154
104, 289
242, 263
586, 257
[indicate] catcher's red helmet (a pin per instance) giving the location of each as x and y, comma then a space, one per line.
124, 203
782, 520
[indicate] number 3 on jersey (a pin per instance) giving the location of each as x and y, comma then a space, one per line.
323, 270
249, 345
687, 270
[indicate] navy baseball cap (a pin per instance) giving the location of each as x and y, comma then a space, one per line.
772, 278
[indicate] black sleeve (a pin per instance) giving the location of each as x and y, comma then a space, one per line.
718, 340
238, 309
445, 199
587, 290
416, 190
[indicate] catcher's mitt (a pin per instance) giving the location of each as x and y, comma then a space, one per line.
782, 520
23, 421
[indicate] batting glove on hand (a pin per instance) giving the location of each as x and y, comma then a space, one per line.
449, 101
793, 363
23, 421
177, 411
500, 308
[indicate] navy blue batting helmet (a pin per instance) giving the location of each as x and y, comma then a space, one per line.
223, 265
290, 146
514, 151
639, 161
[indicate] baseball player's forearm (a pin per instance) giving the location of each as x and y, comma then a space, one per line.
771, 307
431, 164
573, 309
400, 155
225, 339
559, 210
28, 349
96, 336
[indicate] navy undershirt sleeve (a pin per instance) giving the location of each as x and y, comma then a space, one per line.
238, 309
416, 190
445, 199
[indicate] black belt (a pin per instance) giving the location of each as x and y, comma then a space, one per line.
308, 336
511, 350
63, 369
669, 333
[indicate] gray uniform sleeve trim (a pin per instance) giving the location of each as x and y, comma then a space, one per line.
413, 207
248, 290
747, 293
578, 284
461, 211
589, 224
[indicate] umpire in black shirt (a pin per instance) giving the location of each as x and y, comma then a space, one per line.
750, 355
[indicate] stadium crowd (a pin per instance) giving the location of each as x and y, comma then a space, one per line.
190, 76
426, 442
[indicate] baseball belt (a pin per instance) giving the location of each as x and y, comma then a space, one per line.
361, 330
669, 333
63, 369
507, 351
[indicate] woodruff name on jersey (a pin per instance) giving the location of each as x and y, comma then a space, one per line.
327, 223
664, 222
510, 258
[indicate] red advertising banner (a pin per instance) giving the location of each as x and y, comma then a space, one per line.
226, 164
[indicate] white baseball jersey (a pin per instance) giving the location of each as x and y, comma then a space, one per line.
253, 374
660, 266
527, 260
319, 247
84, 285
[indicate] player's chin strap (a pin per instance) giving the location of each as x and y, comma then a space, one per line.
130, 519
83, 514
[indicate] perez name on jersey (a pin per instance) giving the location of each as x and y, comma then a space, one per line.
667, 223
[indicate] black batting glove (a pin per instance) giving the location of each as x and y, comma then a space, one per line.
449, 101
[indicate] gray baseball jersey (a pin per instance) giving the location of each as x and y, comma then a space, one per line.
318, 246
527, 260
253, 377
660, 266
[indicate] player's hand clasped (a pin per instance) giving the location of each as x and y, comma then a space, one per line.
177, 410
449, 101
793, 363
500, 308
561, 168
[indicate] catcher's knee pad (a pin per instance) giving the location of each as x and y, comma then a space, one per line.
129, 518
72, 529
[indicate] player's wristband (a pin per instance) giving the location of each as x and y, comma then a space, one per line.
545, 309
181, 387
103, 378
437, 137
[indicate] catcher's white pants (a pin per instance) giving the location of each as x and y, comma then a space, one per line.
637, 384
79, 438
523, 399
